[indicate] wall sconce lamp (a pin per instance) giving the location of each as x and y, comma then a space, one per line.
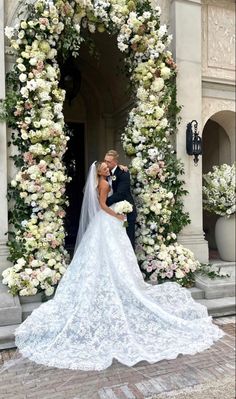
193, 141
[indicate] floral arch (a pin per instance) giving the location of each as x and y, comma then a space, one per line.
33, 108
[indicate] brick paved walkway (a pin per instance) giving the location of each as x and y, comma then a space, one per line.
27, 380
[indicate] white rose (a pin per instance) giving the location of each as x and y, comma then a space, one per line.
51, 262
163, 123
24, 92
23, 292
23, 25
52, 53
21, 67
22, 77
179, 273
33, 61
77, 28
34, 197
62, 269
36, 124
13, 183
49, 291
24, 136
9, 32
17, 268
21, 34
157, 85
165, 72
21, 261
28, 270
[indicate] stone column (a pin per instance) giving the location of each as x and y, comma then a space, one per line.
10, 309
3, 152
186, 26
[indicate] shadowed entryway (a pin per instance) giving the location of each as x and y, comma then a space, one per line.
75, 164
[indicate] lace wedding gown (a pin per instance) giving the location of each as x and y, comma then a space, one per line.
103, 309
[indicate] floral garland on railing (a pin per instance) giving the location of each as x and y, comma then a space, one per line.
37, 243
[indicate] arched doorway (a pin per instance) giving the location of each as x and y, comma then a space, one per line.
95, 117
218, 148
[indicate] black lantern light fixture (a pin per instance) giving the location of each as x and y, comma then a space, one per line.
193, 141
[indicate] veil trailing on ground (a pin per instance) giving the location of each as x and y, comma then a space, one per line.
90, 204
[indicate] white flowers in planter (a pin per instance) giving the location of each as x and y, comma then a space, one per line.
219, 190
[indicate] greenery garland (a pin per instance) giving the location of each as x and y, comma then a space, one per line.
33, 108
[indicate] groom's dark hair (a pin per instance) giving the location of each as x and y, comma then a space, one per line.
113, 153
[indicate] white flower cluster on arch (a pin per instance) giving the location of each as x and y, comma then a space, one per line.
37, 241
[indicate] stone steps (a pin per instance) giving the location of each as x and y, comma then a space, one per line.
219, 306
196, 293
7, 339
218, 287
27, 308
10, 308
223, 306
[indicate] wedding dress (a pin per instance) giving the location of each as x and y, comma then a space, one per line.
103, 309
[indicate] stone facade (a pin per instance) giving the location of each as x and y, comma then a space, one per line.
203, 46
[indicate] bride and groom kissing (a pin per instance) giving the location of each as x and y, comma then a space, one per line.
103, 309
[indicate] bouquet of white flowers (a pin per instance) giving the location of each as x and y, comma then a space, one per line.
219, 190
123, 207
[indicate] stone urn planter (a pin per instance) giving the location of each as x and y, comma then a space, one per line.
225, 237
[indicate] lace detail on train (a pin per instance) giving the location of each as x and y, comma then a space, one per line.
103, 309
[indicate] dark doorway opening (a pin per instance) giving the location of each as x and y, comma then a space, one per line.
74, 160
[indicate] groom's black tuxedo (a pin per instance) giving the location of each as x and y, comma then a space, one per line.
121, 192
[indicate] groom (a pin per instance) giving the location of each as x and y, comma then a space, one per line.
120, 180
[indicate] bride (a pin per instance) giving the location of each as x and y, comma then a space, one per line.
103, 309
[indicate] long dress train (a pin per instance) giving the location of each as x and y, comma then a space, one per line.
103, 309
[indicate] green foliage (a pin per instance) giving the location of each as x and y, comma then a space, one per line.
209, 270
7, 106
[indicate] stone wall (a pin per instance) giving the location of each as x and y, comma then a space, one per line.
218, 39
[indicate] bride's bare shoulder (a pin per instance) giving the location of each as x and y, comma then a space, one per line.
103, 185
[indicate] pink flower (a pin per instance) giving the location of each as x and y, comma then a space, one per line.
169, 273
28, 157
43, 168
28, 105
43, 21
54, 243
24, 125
18, 112
40, 65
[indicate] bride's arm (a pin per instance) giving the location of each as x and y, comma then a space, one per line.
103, 191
